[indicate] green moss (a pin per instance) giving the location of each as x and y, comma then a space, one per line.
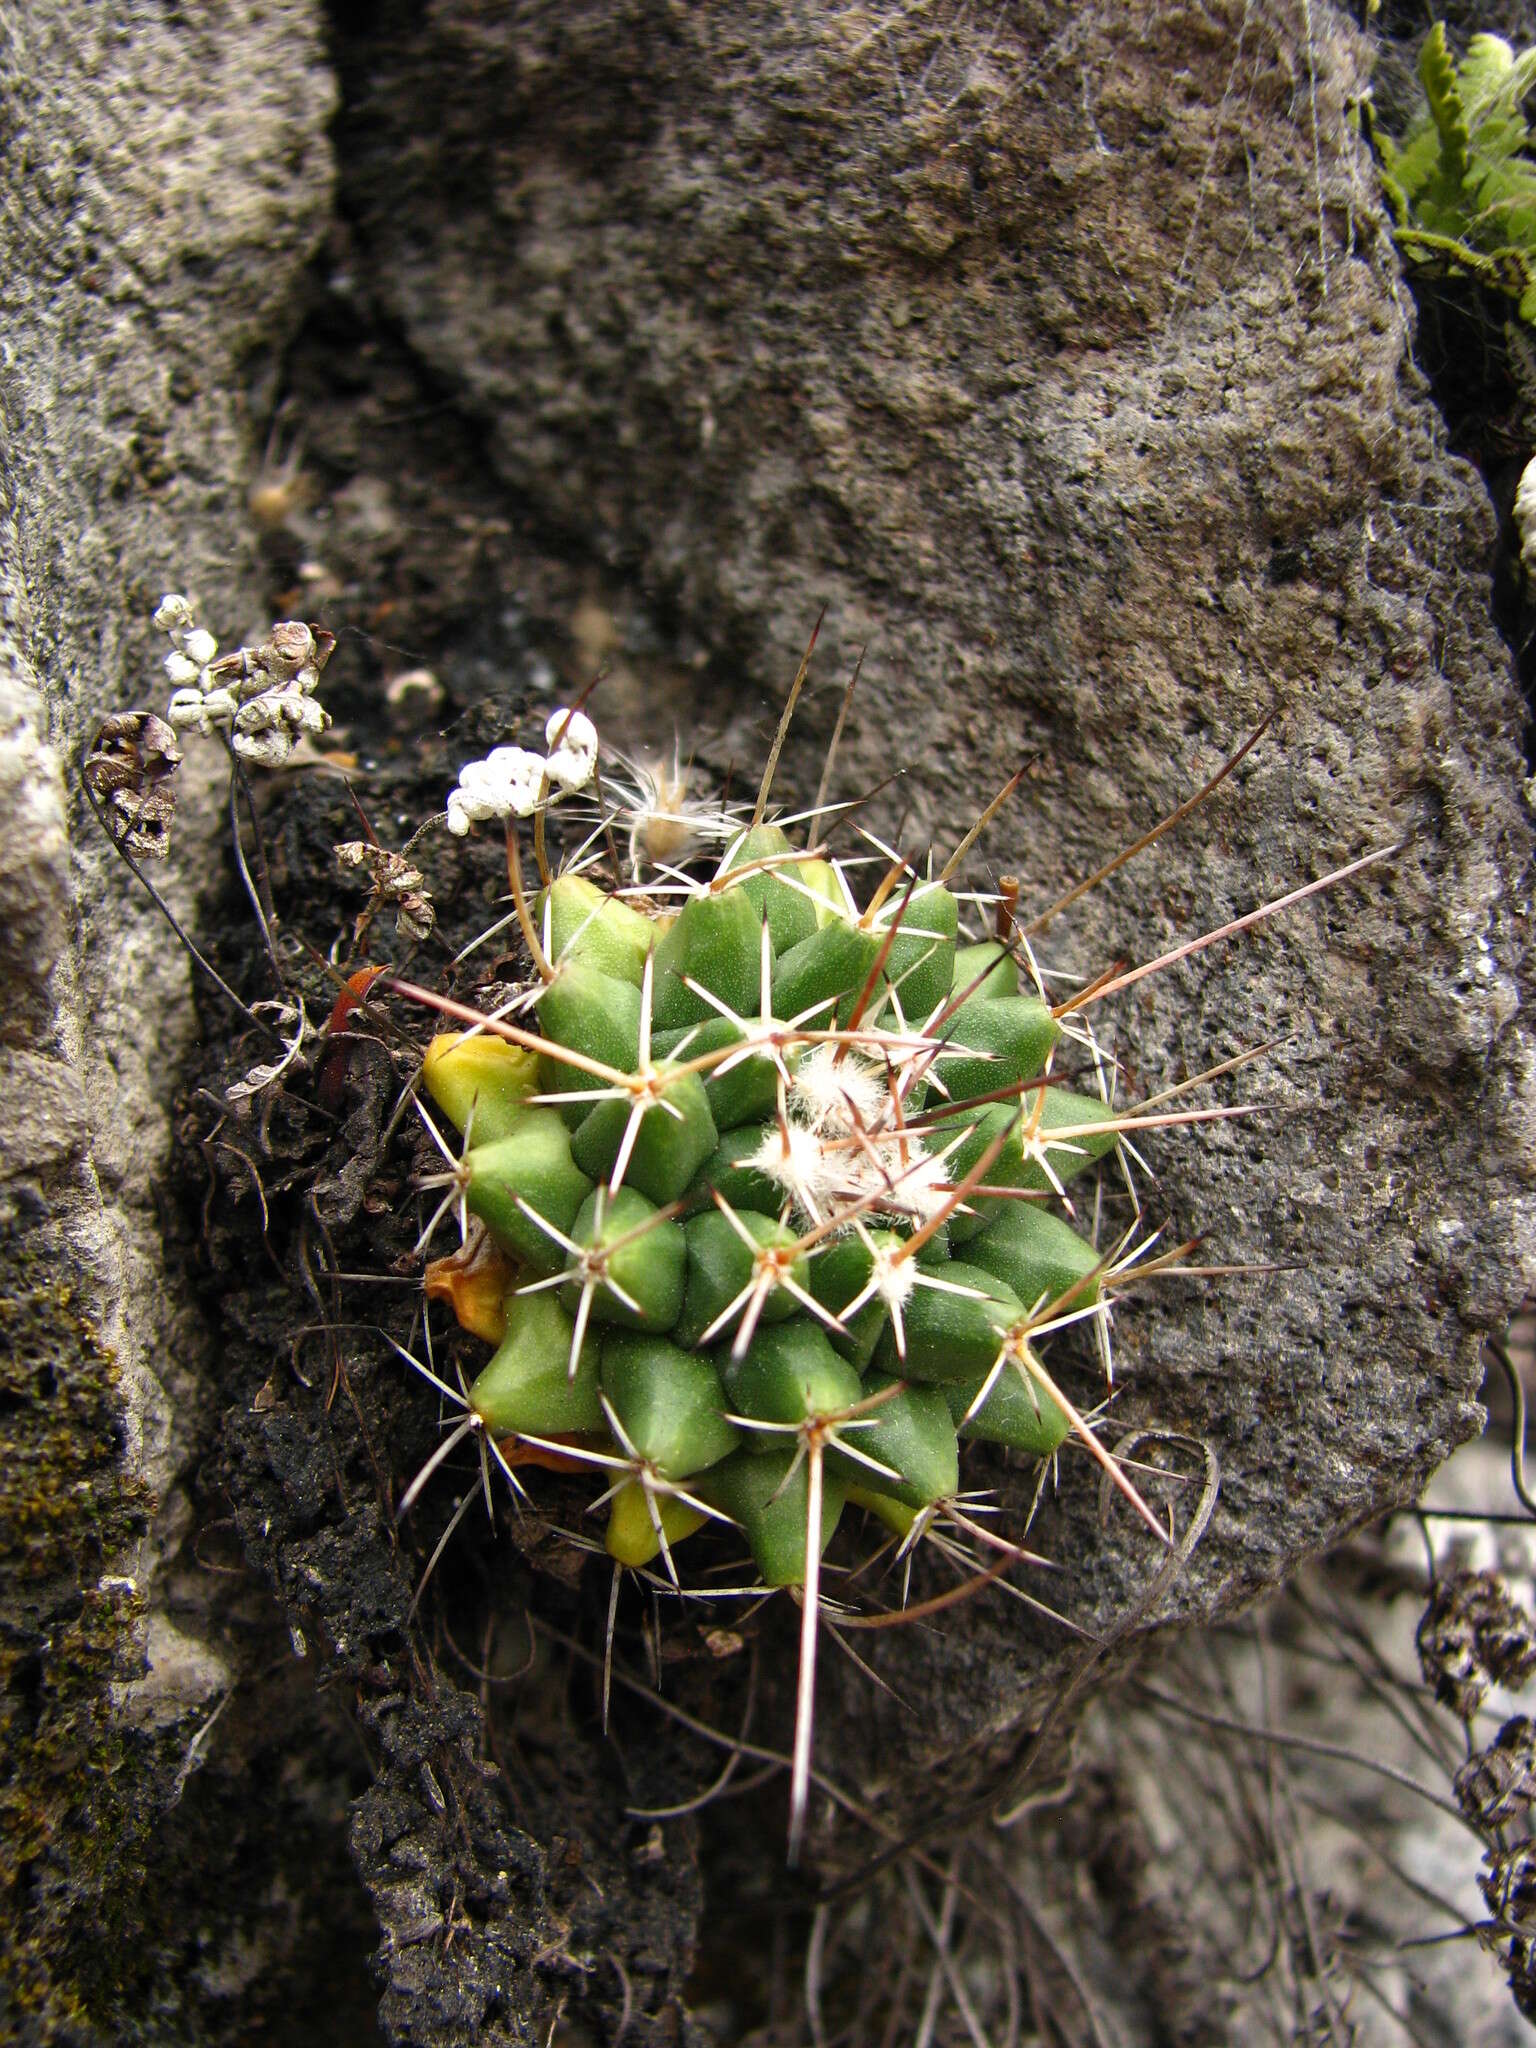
72, 1836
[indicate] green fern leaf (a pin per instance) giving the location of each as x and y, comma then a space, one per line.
1437, 74
1484, 74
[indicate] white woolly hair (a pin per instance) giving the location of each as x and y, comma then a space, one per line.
894, 1278
832, 1093
795, 1160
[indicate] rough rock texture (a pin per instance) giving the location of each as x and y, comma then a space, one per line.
1065, 360
1062, 355
166, 178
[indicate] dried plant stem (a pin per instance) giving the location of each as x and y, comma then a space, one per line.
256, 1023
520, 900
258, 887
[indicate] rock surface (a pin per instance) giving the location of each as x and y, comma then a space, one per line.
167, 178
1064, 358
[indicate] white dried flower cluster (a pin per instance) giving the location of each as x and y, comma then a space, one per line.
511, 782
1525, 516
262, 697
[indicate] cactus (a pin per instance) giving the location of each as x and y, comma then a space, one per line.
774, 1187
761, 1202
757, 1187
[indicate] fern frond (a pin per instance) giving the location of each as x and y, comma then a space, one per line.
1437, 75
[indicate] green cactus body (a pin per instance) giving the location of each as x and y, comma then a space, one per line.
528, 1389
669, 1403
820, 877
825, 972
952, 1334
530, 1168
985, 971
909, 1430
775, 892
790, 1374
920, 965
594, 1014
676, 1134
721, 1267
583, 922
643, 1261
837, 1279
480, 1083
1041, 1257
1027, 1130
716, 943
768, 1495
1017, 1413
1006, 1040
740, 1091
729, 1172
772, 1201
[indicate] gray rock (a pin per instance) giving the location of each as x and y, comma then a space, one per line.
167, 177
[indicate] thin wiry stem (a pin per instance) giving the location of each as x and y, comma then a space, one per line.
260, 897
256, 1023
520, 901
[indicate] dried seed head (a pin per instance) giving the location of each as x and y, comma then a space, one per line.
1497, 1783
572, 740
130, 773
414, 916
394, 880
288, 648
1474, 1636
174, 613
265, 692
201, 711
506, 784
1508, 1883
